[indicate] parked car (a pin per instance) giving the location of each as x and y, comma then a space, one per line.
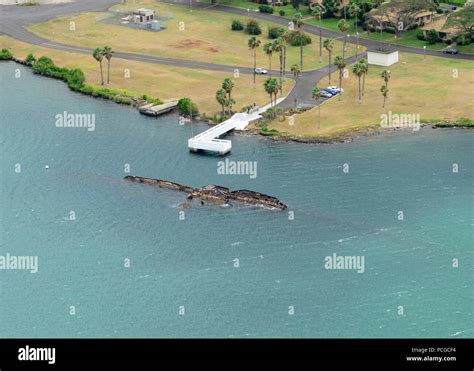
450, 50
334, 90
260, 71
325, 93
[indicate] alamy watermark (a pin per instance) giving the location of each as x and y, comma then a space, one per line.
345, 262
75, 120
15, 262
230, 167
400, 120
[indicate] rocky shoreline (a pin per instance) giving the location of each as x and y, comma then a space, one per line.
214, 193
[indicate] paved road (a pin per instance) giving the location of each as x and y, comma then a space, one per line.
15, 19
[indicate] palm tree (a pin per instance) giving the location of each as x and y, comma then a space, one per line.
358, 70
341, 65
253, 44
329, 46
98, 56
298, 22
277, 46
227, 86
271, 88
296, 70
343, 27
384, 91
107, 52
316, 93
365, 66
354, 11
268, 49
221, 98
317, 13
285, 36
385, 74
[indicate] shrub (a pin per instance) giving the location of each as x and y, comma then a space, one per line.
274, 32
5, 55
420, 35
463, 40
432, 37
187, 107
390, 30
439, 10
281, 12
253, 28
30, 58
285, 2
237, 25
265, 9
297, 38
75, 78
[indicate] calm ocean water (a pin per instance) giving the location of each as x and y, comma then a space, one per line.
409, 287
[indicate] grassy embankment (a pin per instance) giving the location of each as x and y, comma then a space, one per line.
427, 87
206, 37
165, 82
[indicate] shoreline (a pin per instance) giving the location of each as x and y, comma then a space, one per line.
345, 136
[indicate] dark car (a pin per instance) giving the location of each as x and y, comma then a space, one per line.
450, 51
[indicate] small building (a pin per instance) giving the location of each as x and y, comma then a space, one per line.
383, 56
143, 15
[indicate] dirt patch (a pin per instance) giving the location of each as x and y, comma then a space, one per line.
195, 44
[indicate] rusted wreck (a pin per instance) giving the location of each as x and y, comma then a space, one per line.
215, 193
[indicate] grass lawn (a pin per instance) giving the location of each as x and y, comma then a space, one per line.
206, 37
408, 38
417, 86
164, 82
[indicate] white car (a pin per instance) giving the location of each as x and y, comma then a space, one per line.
260, 71
336, 89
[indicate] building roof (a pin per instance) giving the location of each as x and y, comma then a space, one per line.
438, 25
387, 49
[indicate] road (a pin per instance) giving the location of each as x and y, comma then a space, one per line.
14, 21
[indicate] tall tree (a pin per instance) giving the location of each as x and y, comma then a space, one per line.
340, 63
384, 91
343, 27
271, 88
317, 13
316, 93
221, 98
285, 36
253, 44
107, 52
329, 46
277, 47
228, 86
99, 57
298, 22
365, 70
268, 49
358, 70
463, 20
354, 10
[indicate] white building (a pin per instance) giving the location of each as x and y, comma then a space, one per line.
143, 15
382, 57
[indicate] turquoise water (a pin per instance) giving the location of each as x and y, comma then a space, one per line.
190, 262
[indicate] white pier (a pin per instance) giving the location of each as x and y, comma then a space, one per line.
208, 140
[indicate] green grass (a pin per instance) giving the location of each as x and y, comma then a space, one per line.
408, 38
